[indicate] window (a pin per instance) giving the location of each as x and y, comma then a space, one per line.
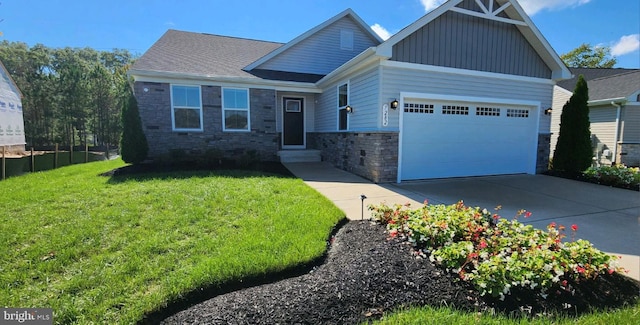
346, 39
186, 108
235, 109
343, 102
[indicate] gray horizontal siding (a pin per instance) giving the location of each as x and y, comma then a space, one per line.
364, 100
395, 80
560, 97
321, 53
603, 128
461, 41
631, 124
326, 113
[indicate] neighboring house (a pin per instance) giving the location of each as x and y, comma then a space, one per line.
459, 92
614, 113
11, 120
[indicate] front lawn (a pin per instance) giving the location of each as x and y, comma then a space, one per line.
101, 249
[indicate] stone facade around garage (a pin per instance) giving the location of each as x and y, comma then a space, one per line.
543, 152
629, 154
155, 112
372, 155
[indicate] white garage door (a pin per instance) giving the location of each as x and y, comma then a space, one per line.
456, 138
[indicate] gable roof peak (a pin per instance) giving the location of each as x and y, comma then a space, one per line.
345, 13
507, 11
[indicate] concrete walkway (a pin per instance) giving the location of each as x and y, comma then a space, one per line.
607, 217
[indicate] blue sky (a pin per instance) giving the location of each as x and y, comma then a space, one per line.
135, 25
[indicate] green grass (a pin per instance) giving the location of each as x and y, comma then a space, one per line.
110, 250
444, 316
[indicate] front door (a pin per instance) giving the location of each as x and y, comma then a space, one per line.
293, 123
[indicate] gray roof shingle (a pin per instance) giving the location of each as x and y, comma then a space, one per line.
589, 74
616, 86
203, 54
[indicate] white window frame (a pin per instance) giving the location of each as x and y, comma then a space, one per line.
343, 107
173, 109
248, 110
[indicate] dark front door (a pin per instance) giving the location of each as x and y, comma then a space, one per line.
293, 126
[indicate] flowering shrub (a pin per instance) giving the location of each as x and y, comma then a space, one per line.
493, 253
618, 175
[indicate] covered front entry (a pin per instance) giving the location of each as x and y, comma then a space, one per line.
293, 126
456, 137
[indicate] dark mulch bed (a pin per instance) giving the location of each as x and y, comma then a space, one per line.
272, 167
366, 275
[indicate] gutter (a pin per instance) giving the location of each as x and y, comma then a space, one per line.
276, 84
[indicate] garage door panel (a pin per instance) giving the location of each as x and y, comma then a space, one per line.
473, 140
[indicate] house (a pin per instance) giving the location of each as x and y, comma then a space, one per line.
11, 119
459, 92
614, 113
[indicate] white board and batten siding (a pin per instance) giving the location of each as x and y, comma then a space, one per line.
324, 51
603, 125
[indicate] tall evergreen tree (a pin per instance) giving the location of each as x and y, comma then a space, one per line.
133, 143
573, 152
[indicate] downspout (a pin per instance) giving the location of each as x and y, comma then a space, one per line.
617, 134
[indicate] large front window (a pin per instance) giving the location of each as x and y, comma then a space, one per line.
186, 106
343, 102
235, 109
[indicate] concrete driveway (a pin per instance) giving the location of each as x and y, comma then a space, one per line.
608, 217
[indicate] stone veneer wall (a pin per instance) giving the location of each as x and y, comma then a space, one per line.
629, 154
372, 155
544, 151
155, 112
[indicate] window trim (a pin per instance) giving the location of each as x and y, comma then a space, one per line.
342, 107
248, 110
173, 109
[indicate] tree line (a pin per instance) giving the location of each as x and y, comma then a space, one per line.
71, 96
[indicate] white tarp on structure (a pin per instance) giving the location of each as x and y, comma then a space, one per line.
11, 120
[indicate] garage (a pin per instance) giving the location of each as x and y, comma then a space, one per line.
457, 137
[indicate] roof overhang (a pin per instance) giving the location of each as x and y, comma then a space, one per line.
602, 102
165, 76
517, 17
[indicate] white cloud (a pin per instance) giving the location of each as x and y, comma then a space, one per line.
531, 7
431, 4
381, 31
626, 45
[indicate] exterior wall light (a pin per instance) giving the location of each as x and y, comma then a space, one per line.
548, 111
394, 104
349, 109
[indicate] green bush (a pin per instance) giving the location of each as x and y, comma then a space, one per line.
618, 175
496, 254
133, 143
573, 152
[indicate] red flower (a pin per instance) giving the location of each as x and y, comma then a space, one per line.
552, 225
580, 269
610, 271
574, 227
495, 216
393, 233
527, 214
564, 283
483, 244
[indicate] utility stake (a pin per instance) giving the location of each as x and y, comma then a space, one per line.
362, 197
